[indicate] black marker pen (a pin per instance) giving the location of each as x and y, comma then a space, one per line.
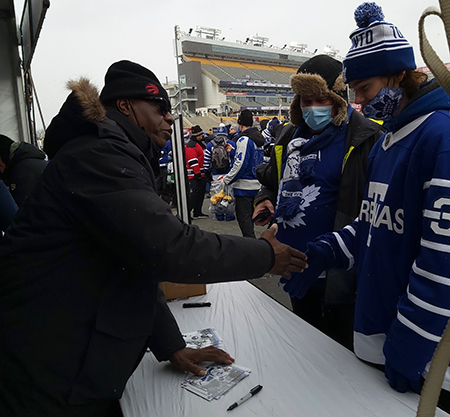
192, 305
252, 392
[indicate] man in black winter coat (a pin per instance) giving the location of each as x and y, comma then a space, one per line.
79, 296
21, 164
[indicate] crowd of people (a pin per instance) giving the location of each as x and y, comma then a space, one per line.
357, 204
222, 162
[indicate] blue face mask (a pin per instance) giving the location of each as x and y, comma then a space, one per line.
385, 104
317, 117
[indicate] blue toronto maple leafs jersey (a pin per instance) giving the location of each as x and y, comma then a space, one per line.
401, 242
249, 155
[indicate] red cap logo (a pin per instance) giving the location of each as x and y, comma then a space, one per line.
152, 89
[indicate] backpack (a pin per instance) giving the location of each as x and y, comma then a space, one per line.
220, 160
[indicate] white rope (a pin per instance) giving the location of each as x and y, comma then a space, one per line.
430, 57
441, 358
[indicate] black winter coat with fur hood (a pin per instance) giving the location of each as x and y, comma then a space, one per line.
81, 263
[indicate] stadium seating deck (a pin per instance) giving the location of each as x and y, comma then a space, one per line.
234, 71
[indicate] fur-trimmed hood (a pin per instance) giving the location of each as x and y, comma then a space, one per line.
78, 116
83, 115
314, 84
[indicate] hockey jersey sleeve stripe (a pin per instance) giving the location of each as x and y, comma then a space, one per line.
430, 214
207, 160
416, 329
193, 162
436, 246
427, 306
351, 229
432, 277
438, 182
343, 247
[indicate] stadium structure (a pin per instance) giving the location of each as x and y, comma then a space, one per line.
218, 79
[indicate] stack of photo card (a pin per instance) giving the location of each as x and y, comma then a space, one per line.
218, 380
203, 338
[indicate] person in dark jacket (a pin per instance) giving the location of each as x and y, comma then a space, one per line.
21, 164
8, 208
242, 176
315, 181
79, 295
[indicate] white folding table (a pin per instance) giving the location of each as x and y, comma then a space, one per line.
303, 372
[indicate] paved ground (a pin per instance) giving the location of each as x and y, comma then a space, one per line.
268, 283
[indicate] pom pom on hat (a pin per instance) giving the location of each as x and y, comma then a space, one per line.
367, 13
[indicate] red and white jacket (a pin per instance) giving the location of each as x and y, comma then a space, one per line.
194, 159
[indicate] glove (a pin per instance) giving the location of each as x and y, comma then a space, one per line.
400, 382
320, 258
198, 175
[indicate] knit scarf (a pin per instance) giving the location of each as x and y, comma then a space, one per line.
301, 157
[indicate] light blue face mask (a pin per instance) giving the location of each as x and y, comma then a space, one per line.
317, 117
384, 106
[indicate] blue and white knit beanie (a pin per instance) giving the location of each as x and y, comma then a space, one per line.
221, 132
378, 47
273, 124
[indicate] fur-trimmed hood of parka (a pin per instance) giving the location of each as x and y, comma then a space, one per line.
78, 116
314, 84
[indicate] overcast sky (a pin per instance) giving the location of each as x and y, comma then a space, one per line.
83, 37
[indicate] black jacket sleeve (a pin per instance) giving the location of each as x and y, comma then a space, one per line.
113, 196
166, 338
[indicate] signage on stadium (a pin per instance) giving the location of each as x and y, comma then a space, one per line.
255, 84
265, 108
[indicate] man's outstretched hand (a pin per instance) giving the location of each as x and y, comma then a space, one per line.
186, 359
286, 258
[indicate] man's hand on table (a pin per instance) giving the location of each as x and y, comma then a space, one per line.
186, 359
286, 258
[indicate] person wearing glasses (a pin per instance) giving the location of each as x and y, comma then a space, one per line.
80, 265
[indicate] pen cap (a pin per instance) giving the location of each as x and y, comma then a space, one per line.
255, 390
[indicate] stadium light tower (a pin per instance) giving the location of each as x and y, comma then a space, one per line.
210, 33
298, 47
330, 50
259, 40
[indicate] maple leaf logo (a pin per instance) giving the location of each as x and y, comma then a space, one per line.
309, 194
